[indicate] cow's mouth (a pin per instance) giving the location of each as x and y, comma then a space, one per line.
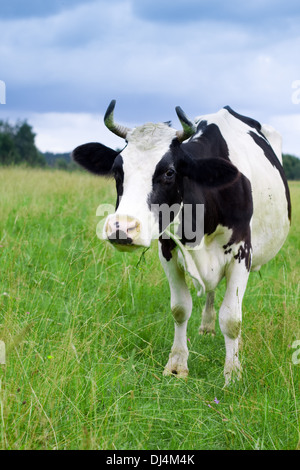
122, 242
127, 248
120, 238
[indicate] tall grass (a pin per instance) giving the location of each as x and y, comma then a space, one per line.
88, 331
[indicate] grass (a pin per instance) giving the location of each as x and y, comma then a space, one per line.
88, 331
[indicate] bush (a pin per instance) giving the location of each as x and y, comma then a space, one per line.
291, 166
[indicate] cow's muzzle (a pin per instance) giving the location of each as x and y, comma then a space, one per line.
123, 230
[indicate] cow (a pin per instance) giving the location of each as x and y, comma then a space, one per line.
226, 163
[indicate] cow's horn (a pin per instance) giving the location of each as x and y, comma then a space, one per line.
117, 129
188, 126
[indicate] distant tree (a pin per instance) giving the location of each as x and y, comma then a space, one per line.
291, 166
17, 145
62, 161
6, 128
24, 141
8, 151
51, 158
61, 164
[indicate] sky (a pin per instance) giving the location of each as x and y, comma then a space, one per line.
63, 61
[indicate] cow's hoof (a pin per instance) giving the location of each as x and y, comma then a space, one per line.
207, 330
178, 372
232, 373
177, 365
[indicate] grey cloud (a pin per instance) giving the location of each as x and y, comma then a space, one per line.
14, 9
79, 60
179, 11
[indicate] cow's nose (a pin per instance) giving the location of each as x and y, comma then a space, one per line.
122, 229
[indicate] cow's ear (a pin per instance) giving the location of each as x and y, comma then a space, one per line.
95, 157
212, 172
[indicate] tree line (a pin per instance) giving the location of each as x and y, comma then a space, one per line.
17, 146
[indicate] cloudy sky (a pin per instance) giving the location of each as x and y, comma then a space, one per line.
63, 61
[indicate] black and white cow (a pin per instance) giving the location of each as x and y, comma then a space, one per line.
229, 163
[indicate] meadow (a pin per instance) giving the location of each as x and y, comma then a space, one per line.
88, 331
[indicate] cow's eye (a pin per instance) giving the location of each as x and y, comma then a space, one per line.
169, 173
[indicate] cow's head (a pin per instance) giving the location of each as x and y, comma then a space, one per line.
149, 174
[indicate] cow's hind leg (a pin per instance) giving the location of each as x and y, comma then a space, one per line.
230, 317
181, 306
208, 316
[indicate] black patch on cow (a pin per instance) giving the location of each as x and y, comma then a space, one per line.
246, 120
271, 156
167, 245
166, 189
244, 253
118, 172
95, 157
229, 205
210, 143
212, 172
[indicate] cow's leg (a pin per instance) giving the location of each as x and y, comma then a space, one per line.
230, 316
208, 316
181, 305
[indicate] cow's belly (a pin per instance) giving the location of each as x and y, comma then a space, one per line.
270, 224
211, 268
210, 260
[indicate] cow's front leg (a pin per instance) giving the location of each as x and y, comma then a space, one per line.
181, 306
230, 316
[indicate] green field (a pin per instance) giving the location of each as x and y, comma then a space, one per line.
88, 331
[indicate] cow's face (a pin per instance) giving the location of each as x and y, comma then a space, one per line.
149, 174
146, 178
